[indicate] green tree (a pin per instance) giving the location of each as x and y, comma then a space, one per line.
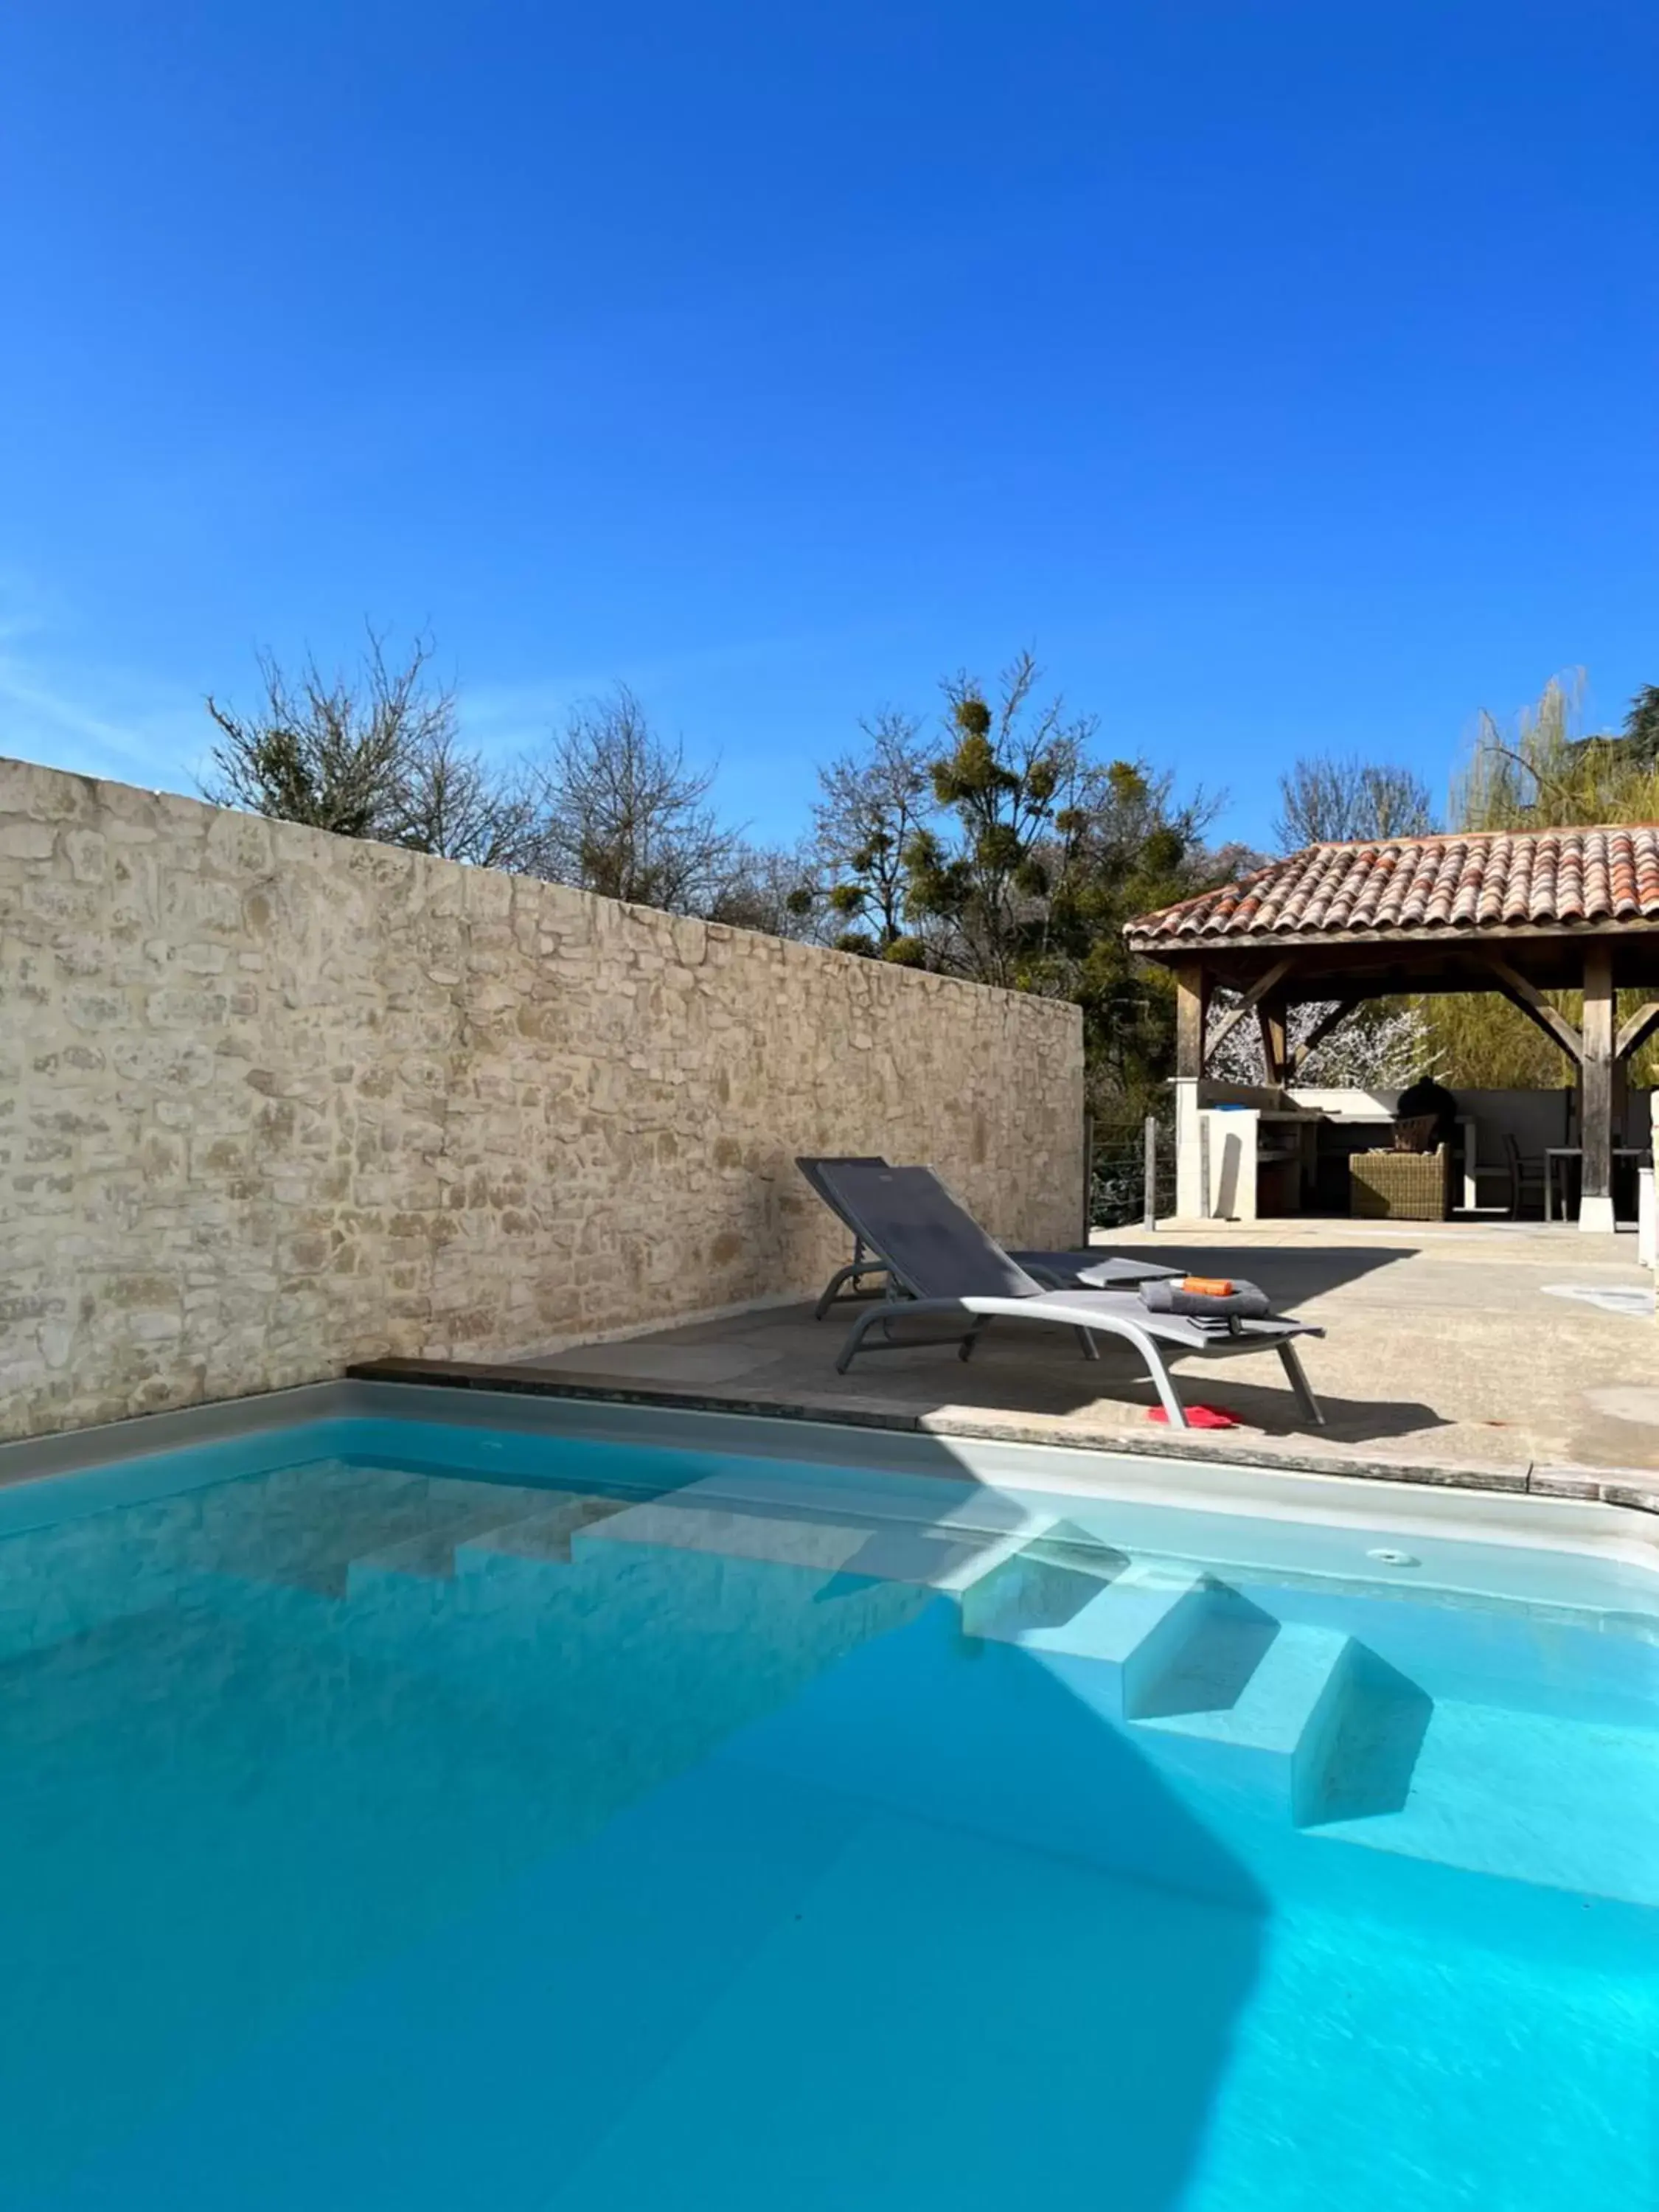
1137, 846
1037, 854
1014, 793
1642, 727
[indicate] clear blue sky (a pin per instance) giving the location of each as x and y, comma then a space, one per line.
1287, 372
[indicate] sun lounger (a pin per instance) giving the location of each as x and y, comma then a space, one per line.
1086, 1269
944, 1267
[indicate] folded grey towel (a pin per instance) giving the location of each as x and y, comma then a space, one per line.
1246, 1302
1122, 1274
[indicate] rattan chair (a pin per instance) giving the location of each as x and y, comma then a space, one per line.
1396, 1186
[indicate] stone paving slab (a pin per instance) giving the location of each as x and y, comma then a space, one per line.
1447, 1359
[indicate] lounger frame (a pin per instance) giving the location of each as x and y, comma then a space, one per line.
851, 1188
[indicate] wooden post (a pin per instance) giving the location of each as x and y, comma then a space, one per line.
1272, 1019
1192, 1007
1595, 1135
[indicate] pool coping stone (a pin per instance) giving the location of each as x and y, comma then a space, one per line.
1634, 1488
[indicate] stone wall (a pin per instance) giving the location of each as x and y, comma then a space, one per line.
272, 1101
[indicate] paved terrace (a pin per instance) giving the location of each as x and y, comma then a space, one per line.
1453, 1351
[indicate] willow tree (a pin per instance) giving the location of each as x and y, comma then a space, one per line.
1541, 773
1544, 773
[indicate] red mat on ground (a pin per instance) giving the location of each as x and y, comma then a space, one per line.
1198, 1417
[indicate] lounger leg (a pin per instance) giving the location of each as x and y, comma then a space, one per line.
857, 1333
832, 1288
965, 1349
1163, 1383
1299, 1383
861, 1267
1088, 1344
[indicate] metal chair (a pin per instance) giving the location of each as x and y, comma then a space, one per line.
1522, 1172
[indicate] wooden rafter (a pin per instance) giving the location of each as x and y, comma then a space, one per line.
1258, 991
1537, 1008
1635, 1032
1330, 1020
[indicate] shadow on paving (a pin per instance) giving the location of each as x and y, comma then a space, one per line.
1289, 1274
780, 1356
1014, 1371
1019, 1367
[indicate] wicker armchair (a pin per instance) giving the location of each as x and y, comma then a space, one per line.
1398, 1186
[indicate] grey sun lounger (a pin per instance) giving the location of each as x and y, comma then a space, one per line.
1059, 1270
942, 1265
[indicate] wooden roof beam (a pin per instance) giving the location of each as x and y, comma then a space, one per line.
1635, 1032
1330, 1020
1258, 991
1537, 1008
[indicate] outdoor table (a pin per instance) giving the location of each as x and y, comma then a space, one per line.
1639, 1153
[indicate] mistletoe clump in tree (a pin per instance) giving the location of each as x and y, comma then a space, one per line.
1013, 856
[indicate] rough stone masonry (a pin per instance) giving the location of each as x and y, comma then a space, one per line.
272, 1101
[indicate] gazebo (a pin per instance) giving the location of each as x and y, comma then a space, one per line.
1517, 912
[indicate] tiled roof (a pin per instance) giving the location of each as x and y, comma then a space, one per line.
1467, 881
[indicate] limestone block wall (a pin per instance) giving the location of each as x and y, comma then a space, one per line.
272, 1101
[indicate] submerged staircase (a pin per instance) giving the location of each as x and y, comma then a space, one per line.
1267, 1707
1304, 1727
1282, 1726
1339, 1742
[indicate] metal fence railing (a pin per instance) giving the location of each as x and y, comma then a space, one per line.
1131, 1173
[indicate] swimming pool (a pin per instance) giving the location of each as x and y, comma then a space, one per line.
418, 1813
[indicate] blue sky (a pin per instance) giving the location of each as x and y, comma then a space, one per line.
1282, 371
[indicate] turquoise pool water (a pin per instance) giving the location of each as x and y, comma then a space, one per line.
416, 1817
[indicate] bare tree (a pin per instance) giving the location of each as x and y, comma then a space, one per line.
455, 804
1325, 799
335, 752
1381, 1046
870, 806
623, 813
774, 889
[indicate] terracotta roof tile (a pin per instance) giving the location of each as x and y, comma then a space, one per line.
1468, 881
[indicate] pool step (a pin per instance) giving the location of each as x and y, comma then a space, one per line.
1278, 1734
1237, 1698
939, 1558
1553, 1802
289, 1528
538, 1539
479, 1512
1130, 1630
1046, 1583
